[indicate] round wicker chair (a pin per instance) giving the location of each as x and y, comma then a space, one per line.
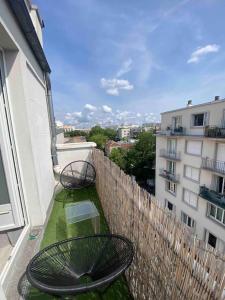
77, 174
80, 265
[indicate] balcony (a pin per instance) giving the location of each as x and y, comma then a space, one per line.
214, 132
158, 239
170, 154
213, 165
169, 176
179, 131
212, 196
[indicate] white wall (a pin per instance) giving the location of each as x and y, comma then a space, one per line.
74, 151
28, 109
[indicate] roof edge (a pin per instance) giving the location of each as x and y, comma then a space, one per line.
193, 106
23, 18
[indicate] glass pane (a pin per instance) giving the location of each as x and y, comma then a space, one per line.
212, 211
219, 214
4, 194
212, 240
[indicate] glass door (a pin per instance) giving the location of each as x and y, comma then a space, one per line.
11, 215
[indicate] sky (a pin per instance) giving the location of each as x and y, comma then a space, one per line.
126, 61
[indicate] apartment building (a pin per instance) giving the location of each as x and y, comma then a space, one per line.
190, 168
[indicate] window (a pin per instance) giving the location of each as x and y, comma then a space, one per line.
171, 187
211, 239
220, 184
187, 220
171, 165
221, 152
190, 198
170, 206
198, 119
194, 147
171, 146
191, 173
177, 122
216, 213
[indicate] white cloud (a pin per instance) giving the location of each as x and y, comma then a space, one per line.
106, 109
90, 107
114, 86
126, 67
200, 52
77, 114
138, 115
59, 123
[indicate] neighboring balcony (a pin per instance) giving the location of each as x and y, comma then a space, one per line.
213, 165
173, 131
212, 196
173, 155
214, 132
169, 176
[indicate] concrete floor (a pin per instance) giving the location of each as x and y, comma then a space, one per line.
31, 247
5, 249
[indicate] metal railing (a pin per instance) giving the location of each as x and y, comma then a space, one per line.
213, 165
212, 196
169, 154
214, 131
169, 175
173, 131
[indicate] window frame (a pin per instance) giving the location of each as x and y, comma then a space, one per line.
193, 222
189, 178
186, 144
168, 182
167, 208
194, 207
209, 206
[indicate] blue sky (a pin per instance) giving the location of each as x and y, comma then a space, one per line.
125, 61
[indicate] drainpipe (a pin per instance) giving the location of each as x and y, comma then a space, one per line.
51, 119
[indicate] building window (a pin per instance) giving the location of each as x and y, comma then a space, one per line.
220, 184
177, 122
171, 146
216, 213
211, 239
171, 187
170, 206
171, 165
191, 173
198, 119
187, 220
190, 198
194, 147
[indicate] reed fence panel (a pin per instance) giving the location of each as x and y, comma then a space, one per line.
169, 262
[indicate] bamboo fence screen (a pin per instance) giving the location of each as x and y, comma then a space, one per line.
169, 262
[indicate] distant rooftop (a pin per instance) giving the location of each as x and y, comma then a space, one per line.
190, 106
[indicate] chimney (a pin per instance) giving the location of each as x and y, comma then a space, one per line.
217, 98
189, 103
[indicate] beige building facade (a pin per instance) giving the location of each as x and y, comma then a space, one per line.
190, 168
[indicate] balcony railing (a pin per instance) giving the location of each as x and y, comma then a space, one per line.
173, 131
213, 165
169, 154
214, 132
212, 196
169, 176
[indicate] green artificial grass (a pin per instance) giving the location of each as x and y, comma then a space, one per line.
57, 229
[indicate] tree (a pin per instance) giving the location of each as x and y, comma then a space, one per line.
141, 158
99, 139
110, 133
96, 130
118, 156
